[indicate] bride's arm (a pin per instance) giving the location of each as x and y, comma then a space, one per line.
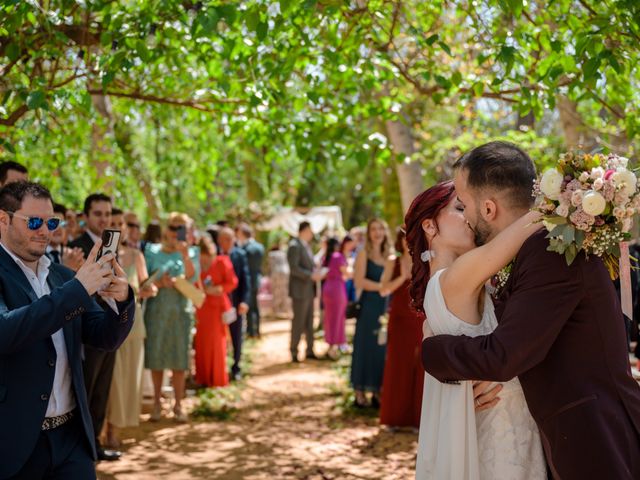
468, 274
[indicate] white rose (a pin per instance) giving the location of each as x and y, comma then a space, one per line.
593, 203
630, 212
563, 210
551, 183
598, 183
626, 179
619, 212
597, 172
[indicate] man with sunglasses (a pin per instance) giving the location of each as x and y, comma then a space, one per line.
134, 234
98, 364
46, 313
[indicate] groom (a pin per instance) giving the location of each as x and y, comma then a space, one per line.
560, 332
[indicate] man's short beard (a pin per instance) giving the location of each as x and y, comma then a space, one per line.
481, 232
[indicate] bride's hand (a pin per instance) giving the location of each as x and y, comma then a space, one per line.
485, 395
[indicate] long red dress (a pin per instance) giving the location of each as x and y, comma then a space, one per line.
403, 373
211, 333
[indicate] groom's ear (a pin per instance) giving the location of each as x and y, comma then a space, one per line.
489, 210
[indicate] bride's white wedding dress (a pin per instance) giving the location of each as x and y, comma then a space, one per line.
455, 443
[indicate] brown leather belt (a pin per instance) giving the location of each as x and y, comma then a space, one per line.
50, 423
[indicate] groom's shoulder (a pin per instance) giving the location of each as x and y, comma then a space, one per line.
535, 244
535, 252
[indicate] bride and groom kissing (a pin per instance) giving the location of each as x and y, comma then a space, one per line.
566, 405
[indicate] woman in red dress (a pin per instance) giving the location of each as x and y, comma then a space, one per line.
403, 373
218, 279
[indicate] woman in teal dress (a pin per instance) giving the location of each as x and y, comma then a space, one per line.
168, 317
367, 364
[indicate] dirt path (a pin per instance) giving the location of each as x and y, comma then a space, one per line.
288, 426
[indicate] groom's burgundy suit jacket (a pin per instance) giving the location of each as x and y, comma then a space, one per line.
561, 332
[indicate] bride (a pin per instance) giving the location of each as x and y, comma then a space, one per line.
449, 277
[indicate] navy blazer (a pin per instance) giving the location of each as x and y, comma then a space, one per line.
241, 266
28, 357
255, 254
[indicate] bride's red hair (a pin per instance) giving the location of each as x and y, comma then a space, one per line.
426, 205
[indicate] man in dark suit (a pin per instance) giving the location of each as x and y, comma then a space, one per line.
240, 296
255, 254
46, 313
302, 289
98, 363
560, 331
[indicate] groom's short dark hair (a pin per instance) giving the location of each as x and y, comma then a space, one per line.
500, 166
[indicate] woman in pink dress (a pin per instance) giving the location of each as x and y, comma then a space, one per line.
334, 297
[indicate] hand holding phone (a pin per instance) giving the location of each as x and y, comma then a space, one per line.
110, 243
182, 233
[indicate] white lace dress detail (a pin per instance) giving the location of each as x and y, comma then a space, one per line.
502, 443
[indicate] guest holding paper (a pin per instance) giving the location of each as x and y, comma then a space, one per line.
219, 280
169, 316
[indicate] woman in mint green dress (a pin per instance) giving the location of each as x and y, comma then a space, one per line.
168, 317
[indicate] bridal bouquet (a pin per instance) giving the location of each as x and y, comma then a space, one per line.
588, 203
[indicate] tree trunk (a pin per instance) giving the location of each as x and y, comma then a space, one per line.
576, 131
101, 149
409, 171
392, 203
122, 135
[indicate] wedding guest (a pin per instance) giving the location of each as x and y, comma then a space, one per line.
11, 171
255, 254
98, 363
348, 250
134, 234
47, 313
218, 279
367, 365
125, 397
239, 296
302, 279
334, 297
169, 315
57, 251
359, 235
71, 225
279, 276
152, 234
403, 373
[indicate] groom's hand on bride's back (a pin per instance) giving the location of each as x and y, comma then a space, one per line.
485, 394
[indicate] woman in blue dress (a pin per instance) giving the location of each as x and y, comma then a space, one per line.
367, 364
168, 317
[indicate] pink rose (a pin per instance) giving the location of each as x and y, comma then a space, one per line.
608, 174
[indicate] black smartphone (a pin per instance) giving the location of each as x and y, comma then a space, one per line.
110, 243
182, 233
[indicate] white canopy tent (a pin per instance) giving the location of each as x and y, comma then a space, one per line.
321, 218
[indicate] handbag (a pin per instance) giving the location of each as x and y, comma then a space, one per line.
353, 309
189, 291
229, 316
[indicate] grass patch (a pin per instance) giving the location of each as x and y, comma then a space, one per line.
221, 403
345, 395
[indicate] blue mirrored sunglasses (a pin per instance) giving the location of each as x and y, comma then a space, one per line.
34, 223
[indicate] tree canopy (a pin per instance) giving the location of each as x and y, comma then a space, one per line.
220, 107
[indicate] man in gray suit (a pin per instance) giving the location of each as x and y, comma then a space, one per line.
302, 289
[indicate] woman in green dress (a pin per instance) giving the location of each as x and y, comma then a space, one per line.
367, 363
168, 317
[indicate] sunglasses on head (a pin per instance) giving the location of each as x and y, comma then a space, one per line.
176, 228
35, 223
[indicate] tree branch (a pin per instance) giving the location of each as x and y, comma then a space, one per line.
14, 117
168, 101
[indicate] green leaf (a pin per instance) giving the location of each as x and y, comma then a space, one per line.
36, 99
432, 39
13, 52
261, 30
446, 48
590, 68
456, 78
